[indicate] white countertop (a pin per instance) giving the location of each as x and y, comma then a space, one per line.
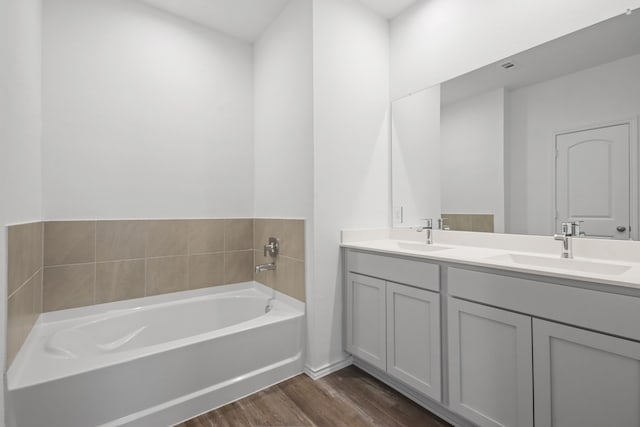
512, 253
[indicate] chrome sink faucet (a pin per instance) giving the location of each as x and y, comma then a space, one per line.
568, 230
428, 227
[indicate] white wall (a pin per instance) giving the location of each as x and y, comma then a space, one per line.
473, 133
592, 97
351, 153
436, 40
20, 129
283, 122
283, 141
415, 158
145, 114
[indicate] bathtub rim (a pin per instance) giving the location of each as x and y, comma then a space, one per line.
97, 309
14, 379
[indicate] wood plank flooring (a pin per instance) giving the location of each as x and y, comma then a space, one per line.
349, 398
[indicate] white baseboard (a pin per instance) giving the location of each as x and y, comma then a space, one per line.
330, 368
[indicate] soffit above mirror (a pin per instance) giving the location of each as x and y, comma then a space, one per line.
589, 47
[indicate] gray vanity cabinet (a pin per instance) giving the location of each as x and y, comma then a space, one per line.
392, 326
490, 363
585, 375
366, 320
583, 378
522, 350
413, 338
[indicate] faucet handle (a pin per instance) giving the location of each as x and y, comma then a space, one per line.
571, 228
575, 228
429, 223
272, 248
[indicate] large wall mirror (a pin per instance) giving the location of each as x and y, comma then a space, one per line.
519, 146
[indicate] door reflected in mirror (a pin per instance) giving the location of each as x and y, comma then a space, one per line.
546, 136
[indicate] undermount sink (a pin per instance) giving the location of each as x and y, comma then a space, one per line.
562, 263
420, 247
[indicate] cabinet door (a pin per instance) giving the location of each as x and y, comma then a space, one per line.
584, 379
490, 365
366, 331
413, 338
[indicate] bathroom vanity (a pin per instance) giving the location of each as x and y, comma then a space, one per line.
497, 330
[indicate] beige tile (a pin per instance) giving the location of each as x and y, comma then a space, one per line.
120, 240
458, 222
206, 236
464, 222
265, 228
68, 286
289, 231
206, 270
482, 223
24, 253
166, 275
37, 292
449, 221
20, 317
292, 238
290, 278
167, 237
119, 280
238, 266
69, 242
30, 289
238, 234
267, 278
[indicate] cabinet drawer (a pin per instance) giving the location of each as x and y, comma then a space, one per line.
414, 273
605, 312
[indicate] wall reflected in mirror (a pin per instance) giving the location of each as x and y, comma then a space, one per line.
415, 154
545, 136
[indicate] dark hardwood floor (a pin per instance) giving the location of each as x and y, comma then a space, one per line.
349, 398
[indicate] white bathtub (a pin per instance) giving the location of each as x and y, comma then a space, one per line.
154, 361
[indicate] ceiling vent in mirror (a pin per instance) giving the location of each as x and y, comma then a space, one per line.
508, 65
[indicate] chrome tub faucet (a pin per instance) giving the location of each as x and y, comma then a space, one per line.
272, 249
265, 267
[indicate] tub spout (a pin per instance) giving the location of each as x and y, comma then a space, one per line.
269, 306
265, 267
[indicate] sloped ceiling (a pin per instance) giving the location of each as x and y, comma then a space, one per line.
388, 8
243, 19
247, 19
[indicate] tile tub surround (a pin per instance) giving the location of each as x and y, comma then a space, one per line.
66, 264
94, 262
25, 265
288, 277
